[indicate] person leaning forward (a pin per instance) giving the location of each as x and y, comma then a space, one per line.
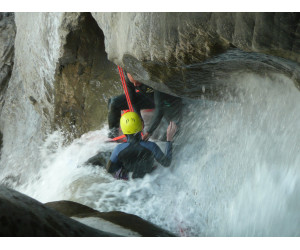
165, 105
135, 155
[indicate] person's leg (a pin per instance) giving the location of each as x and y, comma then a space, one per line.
115, 106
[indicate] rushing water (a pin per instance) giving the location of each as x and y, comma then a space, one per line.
235, 171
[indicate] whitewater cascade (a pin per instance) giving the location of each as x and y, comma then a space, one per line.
235, 173
23, 124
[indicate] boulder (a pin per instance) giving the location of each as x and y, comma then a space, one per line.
7, 39
133, 224
22, 216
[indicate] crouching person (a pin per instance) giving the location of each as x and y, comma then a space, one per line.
135, 155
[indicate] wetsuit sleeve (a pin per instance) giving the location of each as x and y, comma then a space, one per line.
163, 159
158, 113
113, 164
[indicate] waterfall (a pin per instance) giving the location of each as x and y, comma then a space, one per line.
235, 170
28, 110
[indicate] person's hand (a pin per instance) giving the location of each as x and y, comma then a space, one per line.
146, 136
172, 128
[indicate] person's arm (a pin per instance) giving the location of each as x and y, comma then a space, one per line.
114, 164
158, 114
165, 159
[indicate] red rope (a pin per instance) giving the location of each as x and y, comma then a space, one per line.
118, 138
127, 98
125, 88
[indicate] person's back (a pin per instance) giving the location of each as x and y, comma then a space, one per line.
134, 157
138, 156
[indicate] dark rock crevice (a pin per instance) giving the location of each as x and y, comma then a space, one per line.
83, 75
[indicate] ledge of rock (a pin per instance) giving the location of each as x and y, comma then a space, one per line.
23, 216
134, 225
182, 53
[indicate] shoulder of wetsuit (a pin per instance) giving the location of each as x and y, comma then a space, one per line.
149, 145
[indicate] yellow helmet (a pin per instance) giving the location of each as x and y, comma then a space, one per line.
131, 123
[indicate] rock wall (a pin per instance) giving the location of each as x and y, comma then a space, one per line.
28, 108
186, 38
7, 39
22, 216
160, 48
84, 79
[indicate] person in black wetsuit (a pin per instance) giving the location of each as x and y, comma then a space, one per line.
165, 105
135, 155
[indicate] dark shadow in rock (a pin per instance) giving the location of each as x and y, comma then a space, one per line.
84, 80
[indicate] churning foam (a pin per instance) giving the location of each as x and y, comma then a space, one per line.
234, 173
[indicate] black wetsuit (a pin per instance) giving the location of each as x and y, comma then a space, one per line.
165, 105
137, 156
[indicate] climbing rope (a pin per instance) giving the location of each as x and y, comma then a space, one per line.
125, 88
127, 98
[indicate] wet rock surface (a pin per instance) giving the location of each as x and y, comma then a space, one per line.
7, 39
170, 51
187, 38
22, 216
84, 79
128, 221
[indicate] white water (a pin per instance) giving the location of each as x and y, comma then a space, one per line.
23, 124
236, 173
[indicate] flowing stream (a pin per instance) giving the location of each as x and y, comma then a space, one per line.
235, 171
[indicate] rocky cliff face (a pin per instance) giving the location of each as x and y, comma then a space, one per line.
175, 49
186, 38
7, 38
22, 216
84, 79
